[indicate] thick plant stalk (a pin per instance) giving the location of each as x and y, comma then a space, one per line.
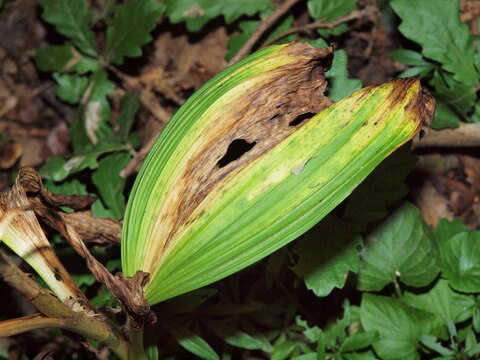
196, 216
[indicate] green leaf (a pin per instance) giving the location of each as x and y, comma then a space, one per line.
99, 210
359, 341
70, 88
282, 350
436, 26
193, 343
432, 343
475, 116
73, 187
130, 29
460, 96
71, 19
402, 247
109, 183
442, 301
311, 333
340, 84
366, 355
247, 28
448, 228
129, 106
196, 13
408, 57
327, 10
97, 112
399, 327
83, 279
57, 168
239, 338
53, 57
445, 117
461, 261
326, 254
383, 188
3, 352
419, 71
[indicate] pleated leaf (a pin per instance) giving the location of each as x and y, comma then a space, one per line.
197, 215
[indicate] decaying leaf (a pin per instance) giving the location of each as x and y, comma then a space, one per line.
245, 166
24, 235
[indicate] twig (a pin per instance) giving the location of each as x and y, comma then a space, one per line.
134, 164
369, 11
466, 135
265, 24
57, 313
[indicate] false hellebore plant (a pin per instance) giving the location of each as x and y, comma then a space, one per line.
196, 215
202, 209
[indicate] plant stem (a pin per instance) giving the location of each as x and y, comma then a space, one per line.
58, 314
136, 350
83, 325
398, 291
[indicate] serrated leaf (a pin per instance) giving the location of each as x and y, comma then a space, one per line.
419, 71
70, 87
282, 350
58, 168
193, 343
109, 183
442, 301
326, 254
359, 341
446, 229
432, 343
53, 57
461, 261
408, 57
73, 187
327, 11
436, 26
459, 95
402, 246
99, 210
129, 106
197, 13
340, 85
130, 28
97, 109
399, 327
445, 117
71, 19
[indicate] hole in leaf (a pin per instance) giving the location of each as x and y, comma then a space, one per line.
300, 118
235, 150
275, 117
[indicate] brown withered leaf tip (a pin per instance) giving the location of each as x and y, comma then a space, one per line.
262, 118
32, 183
91, 229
